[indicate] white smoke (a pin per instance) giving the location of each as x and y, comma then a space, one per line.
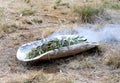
107, 33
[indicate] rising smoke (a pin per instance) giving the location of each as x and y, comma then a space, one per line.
104, 34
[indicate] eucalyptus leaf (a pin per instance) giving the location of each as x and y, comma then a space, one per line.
54, 44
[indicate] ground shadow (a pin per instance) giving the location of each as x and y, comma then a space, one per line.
52, 66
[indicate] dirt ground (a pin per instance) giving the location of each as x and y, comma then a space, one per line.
18, 27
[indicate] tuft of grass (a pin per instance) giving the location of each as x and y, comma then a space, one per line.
27, 1
32, 77
14, 26
112, 5
27, 12
59, 3
87, 12
65, 4
115, 6
36, 20
1, 14
64, 13
55, 7
86, 63
27, 22
5, 28
112, 58
105, 3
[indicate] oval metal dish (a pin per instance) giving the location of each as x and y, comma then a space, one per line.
53, 54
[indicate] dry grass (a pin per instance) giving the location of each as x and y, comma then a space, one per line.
112, 58
27, 1
29, 20
111, 55
1, 14
36, 20
27, 12
88, 12
40, 77
111, 79
8, 28
111, 4
86, 63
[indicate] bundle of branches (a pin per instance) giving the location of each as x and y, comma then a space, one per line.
54, 44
